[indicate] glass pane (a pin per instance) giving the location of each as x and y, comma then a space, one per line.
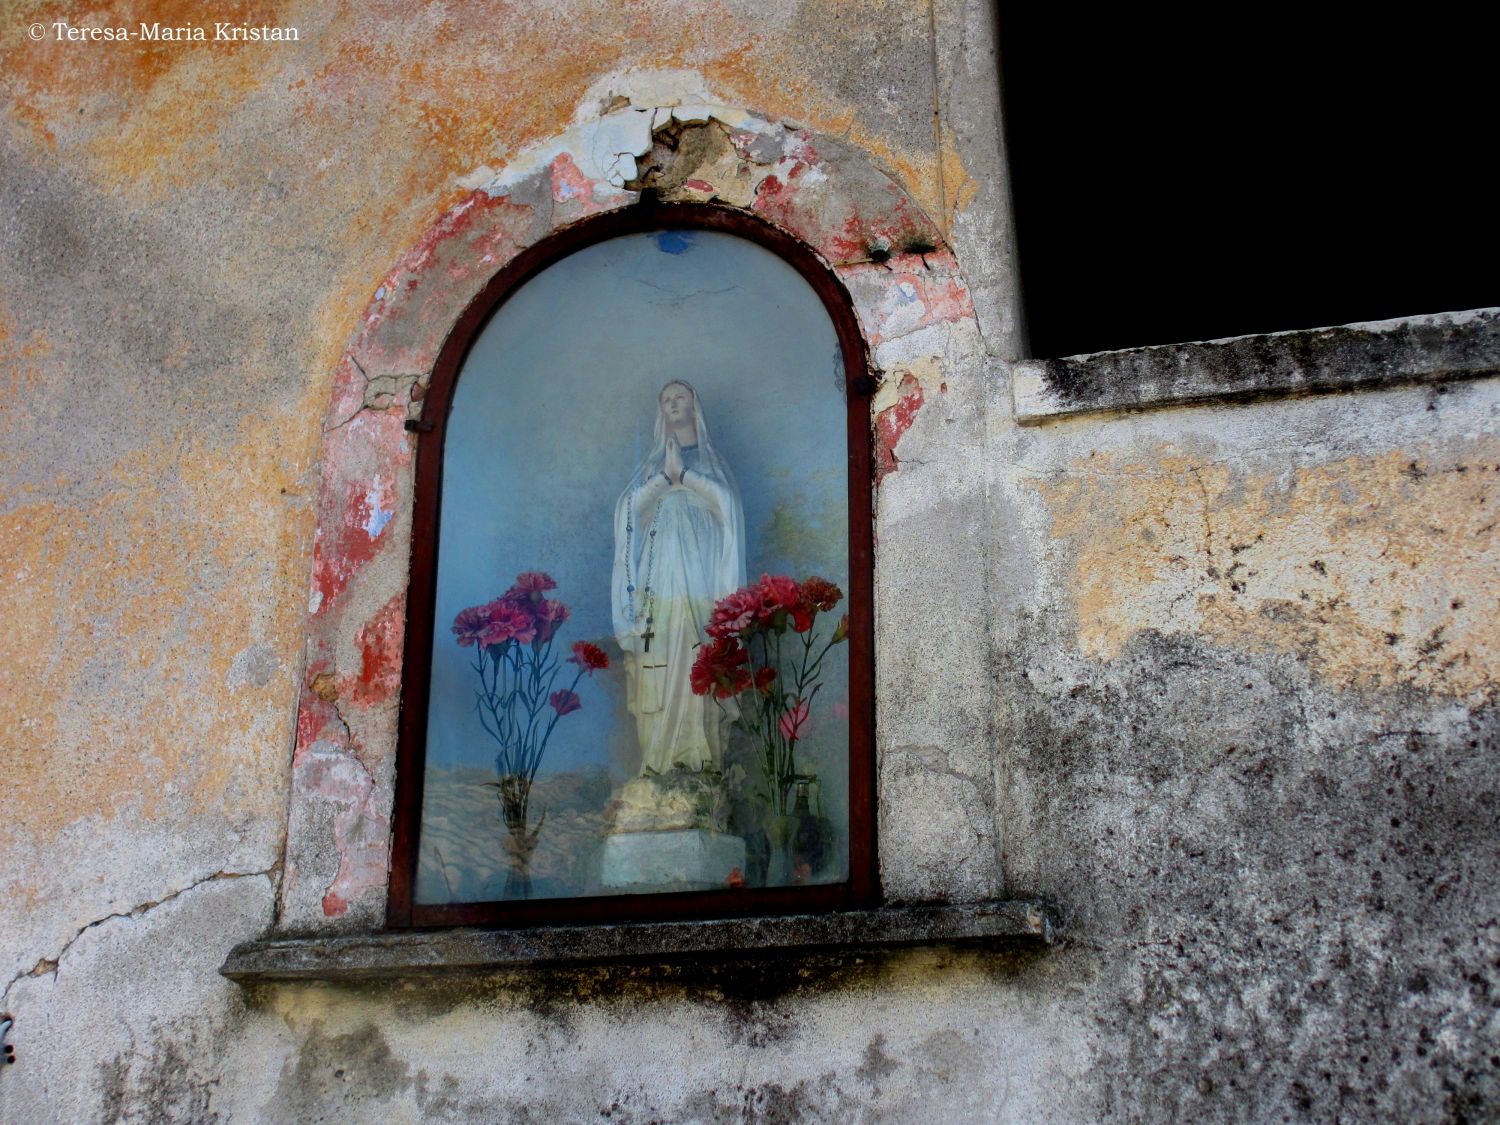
620, 703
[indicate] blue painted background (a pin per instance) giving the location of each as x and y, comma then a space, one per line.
555, 407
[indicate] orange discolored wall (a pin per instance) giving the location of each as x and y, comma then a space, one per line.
1380, 571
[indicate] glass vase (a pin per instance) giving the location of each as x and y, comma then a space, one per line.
781, 829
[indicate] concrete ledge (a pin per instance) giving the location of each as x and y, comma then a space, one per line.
1448, 346
388, 955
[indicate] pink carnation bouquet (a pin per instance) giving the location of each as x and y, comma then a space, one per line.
519, 701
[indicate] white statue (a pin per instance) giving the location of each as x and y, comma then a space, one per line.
679, 547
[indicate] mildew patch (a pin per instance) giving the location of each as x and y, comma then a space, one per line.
1378, 571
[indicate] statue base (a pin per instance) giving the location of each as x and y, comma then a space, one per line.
675, 801
687, 860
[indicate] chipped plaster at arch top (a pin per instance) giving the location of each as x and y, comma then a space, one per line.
904, 282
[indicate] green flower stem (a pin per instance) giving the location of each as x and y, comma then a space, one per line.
513, 694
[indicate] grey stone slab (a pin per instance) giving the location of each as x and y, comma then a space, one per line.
477, 951
693, 859
1448, 346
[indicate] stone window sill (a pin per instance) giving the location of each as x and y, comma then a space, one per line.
1462, 345
468, 951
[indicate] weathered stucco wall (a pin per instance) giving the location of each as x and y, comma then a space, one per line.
1249, 722
1219, 682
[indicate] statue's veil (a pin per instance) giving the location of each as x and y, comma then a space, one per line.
630, 540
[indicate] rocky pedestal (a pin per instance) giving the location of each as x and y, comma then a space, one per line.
668, 835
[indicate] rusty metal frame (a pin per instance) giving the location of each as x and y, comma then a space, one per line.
862, 888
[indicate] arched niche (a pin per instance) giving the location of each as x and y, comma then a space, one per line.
891, 262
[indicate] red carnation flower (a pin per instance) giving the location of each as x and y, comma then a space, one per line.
779, 592
565, 702
720, 668
534, 582
821, 594
528, 590
764, 678
735, 612
737, 680
588, 657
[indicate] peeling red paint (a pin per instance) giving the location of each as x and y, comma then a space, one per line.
775, 199
361, 827
312, 719
348, 391
700, 185
915, 299
309, 723
330, 575
893, 422
336, 563
894, 231
881, 225
457, 221
318, 718
569, 184
350, 534
946, 298
408, 319
849, 243
802, 148
380, 641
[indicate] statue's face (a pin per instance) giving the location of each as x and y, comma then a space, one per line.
677, 403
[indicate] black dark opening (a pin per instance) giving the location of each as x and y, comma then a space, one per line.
1186, 174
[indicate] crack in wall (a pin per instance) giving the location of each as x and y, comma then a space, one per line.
937, 118
53, 964
325, 686
681, 148
381, 392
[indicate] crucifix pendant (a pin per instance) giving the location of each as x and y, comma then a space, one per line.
647, 635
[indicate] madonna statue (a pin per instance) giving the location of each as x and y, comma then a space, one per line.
679, 547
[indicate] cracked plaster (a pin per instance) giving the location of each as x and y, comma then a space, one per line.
132, 994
